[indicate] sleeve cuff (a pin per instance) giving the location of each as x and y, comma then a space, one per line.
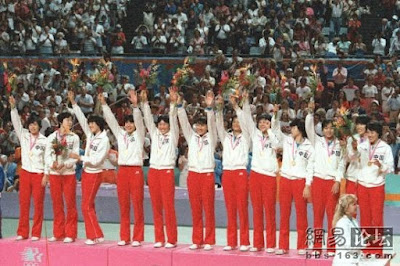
208, 109
179, 105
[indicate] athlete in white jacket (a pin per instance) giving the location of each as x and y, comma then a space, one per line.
130, 182
328, 171
161, 178
201, 162
296, 177
376, 161
61, 169
235, 184
32, 180
97, 147
264, 167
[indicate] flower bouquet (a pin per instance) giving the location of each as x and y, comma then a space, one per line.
343, 126
148, 76
75, 80
104, 78
181, 75
245, 80
60, 147
315, 83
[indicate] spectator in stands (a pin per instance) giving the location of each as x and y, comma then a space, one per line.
343, 46
46, 42
85, 101
117, 40
359, 49
339, 76
336, 19
197, 44
159, 42
379, 44
139, 42
395, 45
222, 33
89, 43
60, 45
350, 89
176, 42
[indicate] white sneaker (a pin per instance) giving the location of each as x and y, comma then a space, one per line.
227, 248
254, 249
208, 247
244, 248
136, 244
169, 245
52, 239
331, 254
68, 240
18, 238
194, 246
100, 240
301, 252
158, 245
90, 242
35, 238
270, 250
280, 252
122, 243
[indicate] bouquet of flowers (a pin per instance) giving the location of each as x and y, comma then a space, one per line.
246, 80
104, 78
148, 76
75, 80
60, 146
9, 79
343, 126
182, 74
315, 82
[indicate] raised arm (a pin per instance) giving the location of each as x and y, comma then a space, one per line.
248, 118
276, 126
148, 118
184, 122
137, 116
79, 114
220, 126
310, 128
15, 119
212, 127
109, 117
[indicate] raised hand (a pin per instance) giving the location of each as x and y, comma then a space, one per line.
133, 97
209, 98
276, 108
143, 96
179, 99
245, 94
11, 100
233, 101
71, 97
101, 99
311, 106
173, 96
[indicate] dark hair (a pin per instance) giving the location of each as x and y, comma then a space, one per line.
34, 119
164, 118
375, 126
301, 125
263, 117
363, 120
98, 120
201, 120
62, 116
326, 122
128, 118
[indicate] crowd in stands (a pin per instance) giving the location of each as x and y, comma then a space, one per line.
281, 29
42, 92
61, 27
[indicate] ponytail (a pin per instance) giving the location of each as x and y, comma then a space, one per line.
340, 211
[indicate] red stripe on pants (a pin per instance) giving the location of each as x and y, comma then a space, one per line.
351, 187
90, 186
323, 201
162, 193
371, 201
64, 186
201, 196
263, 198
30, 185
289, 190
130, 186
236, 194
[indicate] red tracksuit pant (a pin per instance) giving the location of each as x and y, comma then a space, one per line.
90, 186
263, 199
130, 186
30, 185
236, 194
351, 187
201, 196
371, 201
289, 190
323, 201
162, 193
64, 186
